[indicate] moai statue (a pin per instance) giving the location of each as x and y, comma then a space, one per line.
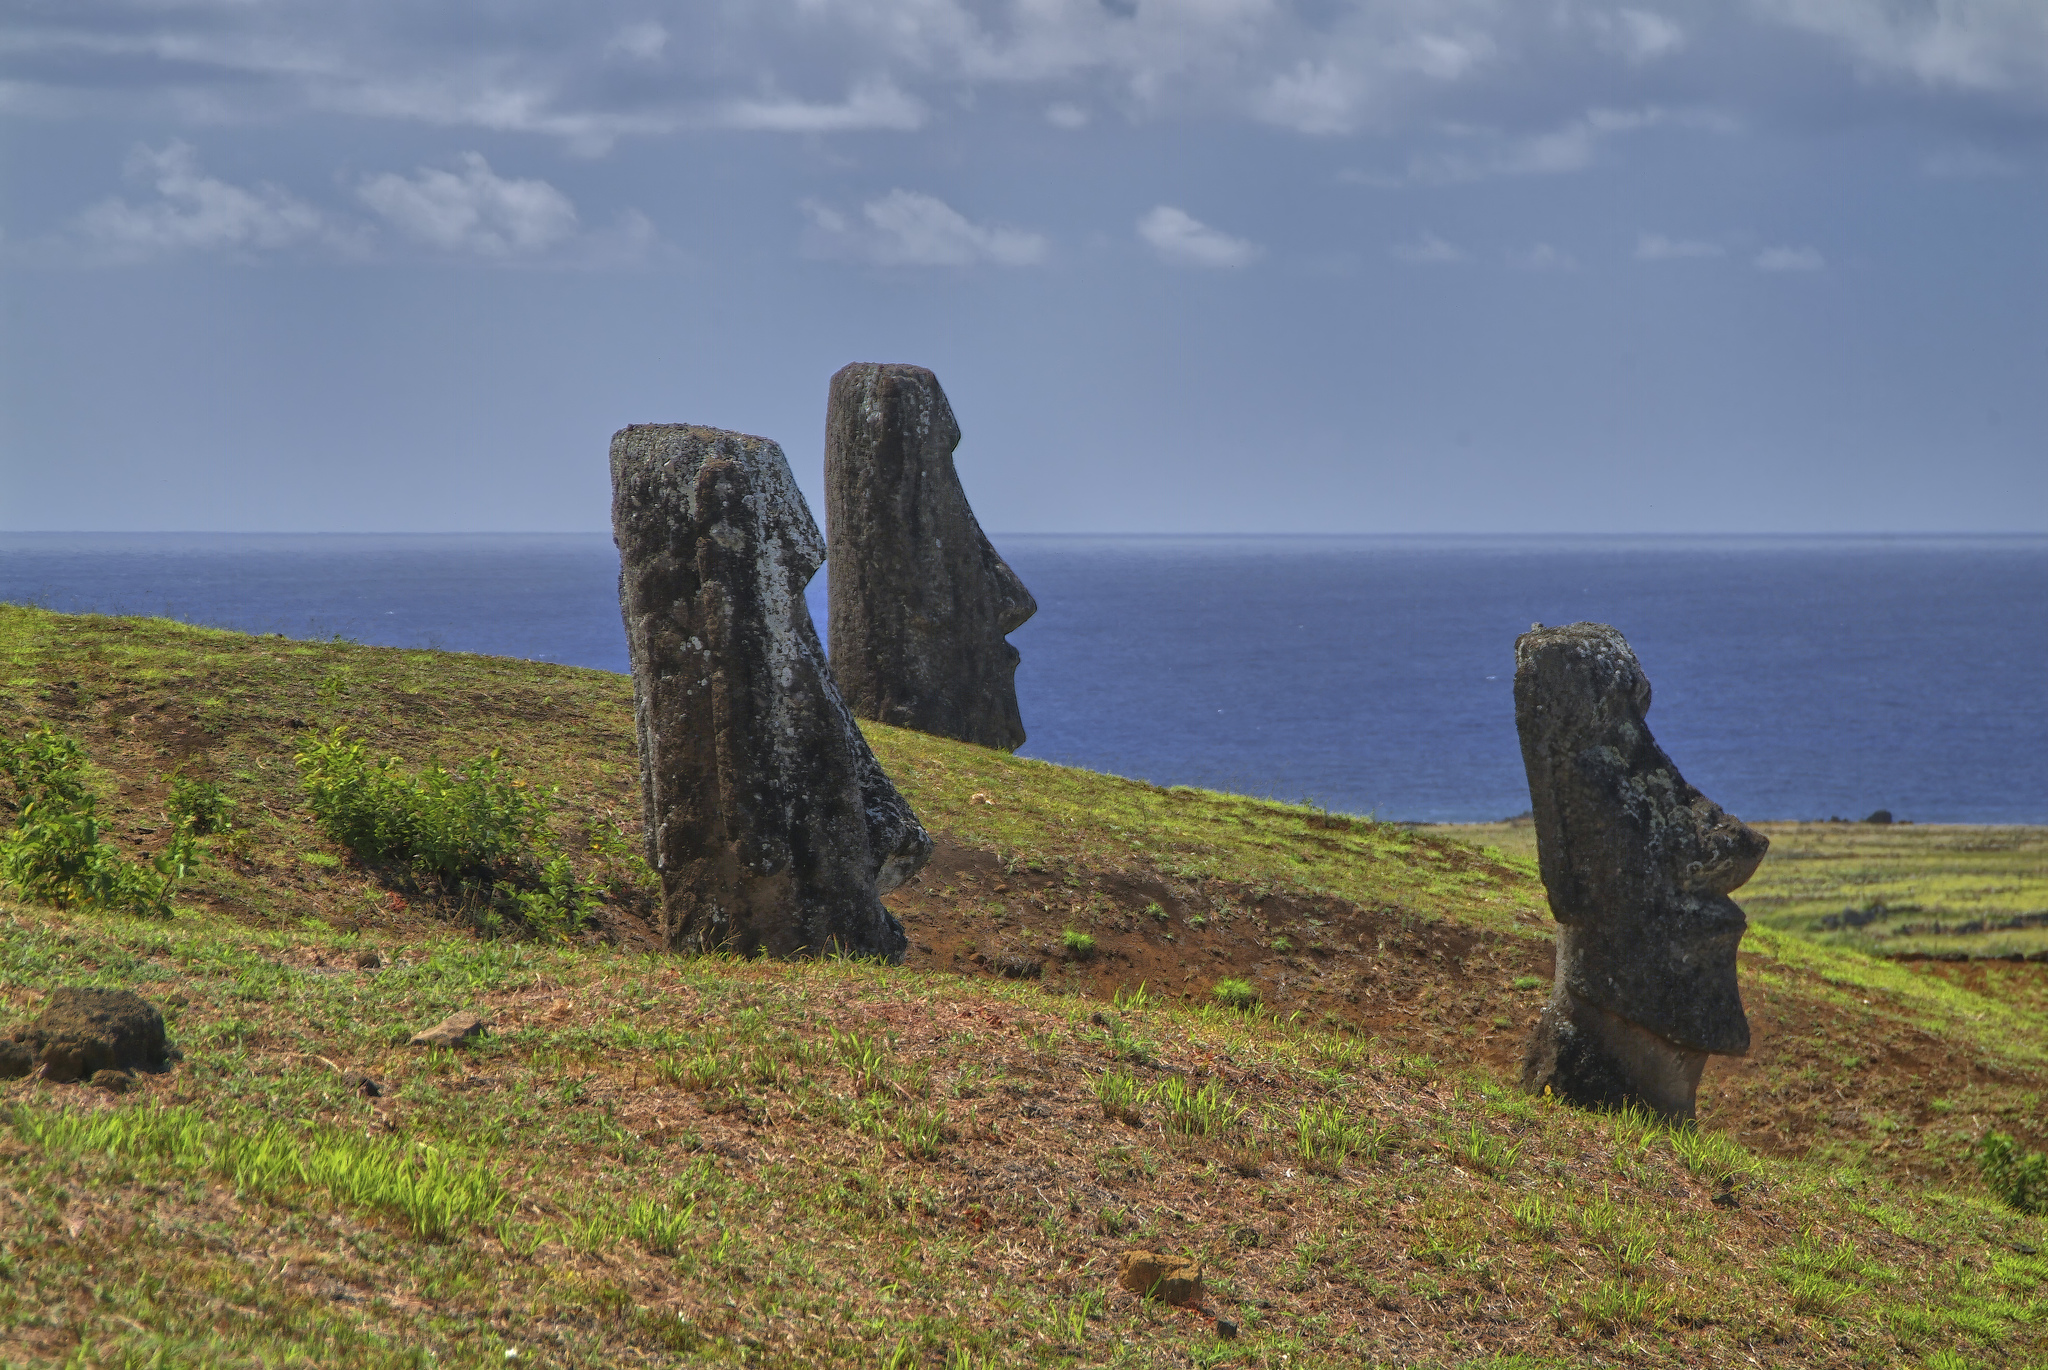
769, 821
1638, 866
921, 602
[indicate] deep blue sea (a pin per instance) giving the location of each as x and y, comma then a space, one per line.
1794, 677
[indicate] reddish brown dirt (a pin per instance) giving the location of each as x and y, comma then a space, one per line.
1819, 1079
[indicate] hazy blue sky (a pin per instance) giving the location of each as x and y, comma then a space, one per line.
1183, 265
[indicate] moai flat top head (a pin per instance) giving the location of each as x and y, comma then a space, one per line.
921, 601
1636, 862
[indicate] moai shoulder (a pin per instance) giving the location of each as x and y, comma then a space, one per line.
769, 821
920, 601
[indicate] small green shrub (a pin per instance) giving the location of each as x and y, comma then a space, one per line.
452, 825
199, 805
2019, 1179
1081, 944
54, 853
1282, 945
477, 831
1241, 995
1528, 982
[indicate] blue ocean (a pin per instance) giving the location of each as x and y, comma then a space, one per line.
1794, 677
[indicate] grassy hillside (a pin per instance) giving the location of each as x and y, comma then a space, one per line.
657, 1161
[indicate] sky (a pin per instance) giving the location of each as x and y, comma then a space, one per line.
1273, 266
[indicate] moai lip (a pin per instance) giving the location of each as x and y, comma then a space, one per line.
1638, 866
921, 603
769, 821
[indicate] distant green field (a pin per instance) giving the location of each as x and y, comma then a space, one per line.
1902, 889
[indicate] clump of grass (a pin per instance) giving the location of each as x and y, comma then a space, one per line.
1080, 944
1282, 944
2019, 1179
866, 1060
1241, 995
1121, 1096
1619, 1305
658, 1227
1535, 1219
1325, 1137
1134, 1000
1478, 1149
1528, 982
55, 854
1712, 1155
1203, 1112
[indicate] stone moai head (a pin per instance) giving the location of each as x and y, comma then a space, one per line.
921, 603
1638, 866
769, 821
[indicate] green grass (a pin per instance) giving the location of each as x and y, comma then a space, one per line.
651, 1160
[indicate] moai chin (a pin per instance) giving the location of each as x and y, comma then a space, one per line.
921, 603
1638, 866
769, 821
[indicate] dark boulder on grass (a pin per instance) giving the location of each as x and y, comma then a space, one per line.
769, 821
83, 1032
921, 602
1638, 866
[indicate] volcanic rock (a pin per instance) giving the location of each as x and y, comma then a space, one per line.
1638, 866
920, 602
1171, 1279
81, 1032
452, 1031
770, 822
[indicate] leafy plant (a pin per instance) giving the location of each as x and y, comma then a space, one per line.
452, 825
1081, 944
200, 806
1241, 995
2019, 1179
55, 855
657, 1226
1325, 1137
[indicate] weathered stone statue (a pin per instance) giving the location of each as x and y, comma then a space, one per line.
920, 601
1638, 866
769, 821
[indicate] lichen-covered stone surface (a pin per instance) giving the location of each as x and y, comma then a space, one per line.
920, 601
82, 1032
769, 821
1638, 866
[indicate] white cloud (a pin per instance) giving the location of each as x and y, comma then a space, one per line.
194, 212
1066, 116
1789, 259
1638, 36
472, 210
906, 228
1180, 238
1969, 45
644, 41
870, 105
1570, 147
1314, 97
1430, 250
1543, 257
1655, 247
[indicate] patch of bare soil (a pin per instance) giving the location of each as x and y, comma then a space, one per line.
1818, 1077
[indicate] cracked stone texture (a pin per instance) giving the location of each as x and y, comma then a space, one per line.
1638, 866
920, 601
82, 1032
772, 826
